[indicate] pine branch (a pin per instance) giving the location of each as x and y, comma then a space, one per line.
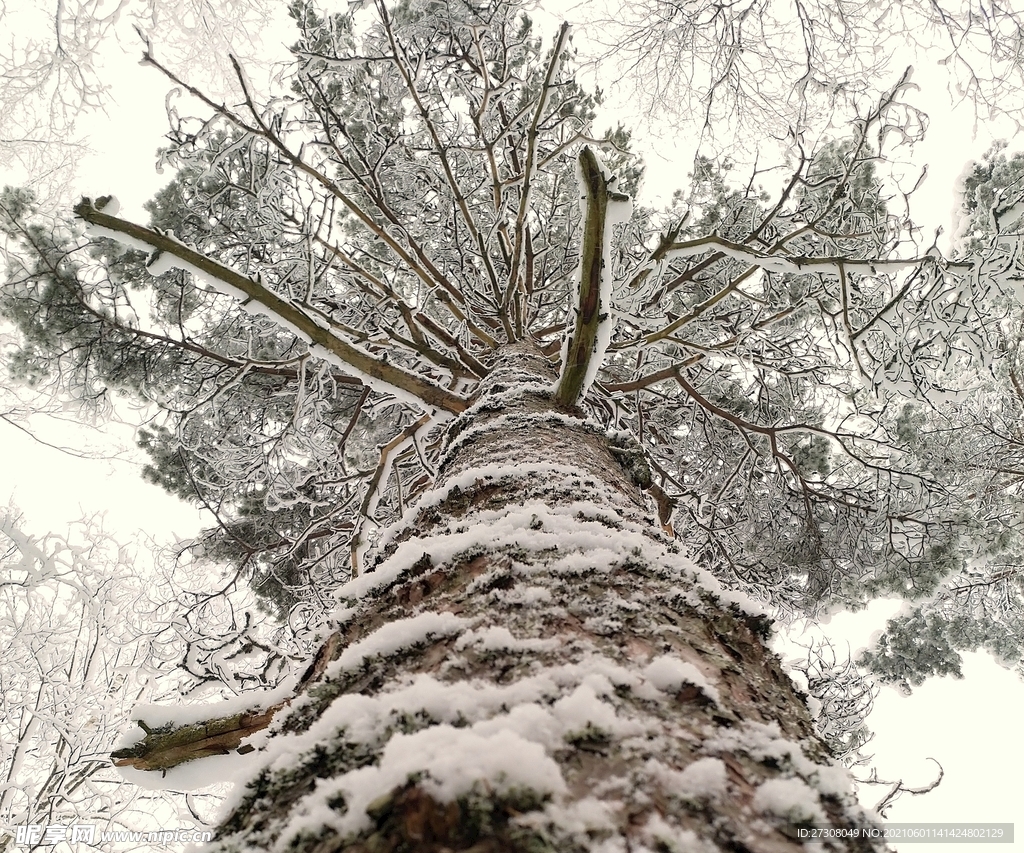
282, 309
799, 264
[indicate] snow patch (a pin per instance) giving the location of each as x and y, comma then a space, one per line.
194, 775
449, 762
833, 781
99, 231
763, 742
158, 716
560, 531
703, 779
583, 709
664, 836
497, 638
579, 818
381, 386
468, 479
528, 596
791, 799
397, 635
668, 673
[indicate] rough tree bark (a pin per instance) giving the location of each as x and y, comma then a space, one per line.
532, 666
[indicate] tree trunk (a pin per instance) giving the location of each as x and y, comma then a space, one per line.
531, 666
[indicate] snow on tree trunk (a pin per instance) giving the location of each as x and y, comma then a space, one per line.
531, 666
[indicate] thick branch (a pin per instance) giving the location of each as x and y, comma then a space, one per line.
168, 746
588, 316
284, 310
798, 264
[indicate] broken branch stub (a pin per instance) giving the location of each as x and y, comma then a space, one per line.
581, 346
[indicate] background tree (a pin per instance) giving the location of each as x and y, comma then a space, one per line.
83, 641
92, 628
736, 71
55, 67
974, 447
392, 242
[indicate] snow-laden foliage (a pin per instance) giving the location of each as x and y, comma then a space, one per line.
840, 697
335, 264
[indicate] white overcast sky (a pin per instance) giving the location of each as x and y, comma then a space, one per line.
971, 727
